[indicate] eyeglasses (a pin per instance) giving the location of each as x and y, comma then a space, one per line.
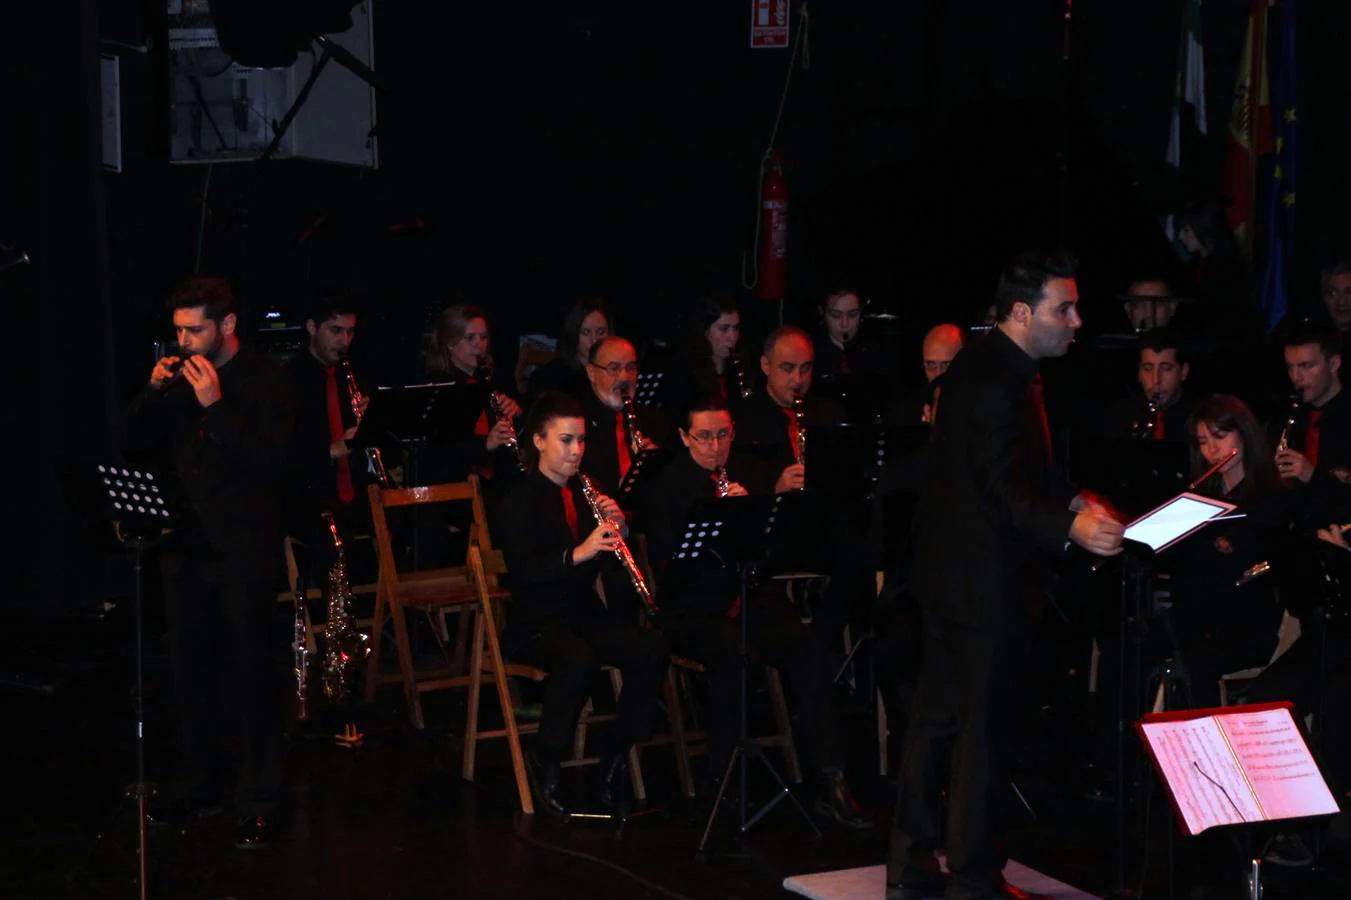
937, 365
722, 436
615, 368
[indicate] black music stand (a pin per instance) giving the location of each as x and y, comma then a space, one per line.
143, 506
737, 531
647, 389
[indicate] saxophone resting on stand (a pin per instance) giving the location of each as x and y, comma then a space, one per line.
344, 645
622, 549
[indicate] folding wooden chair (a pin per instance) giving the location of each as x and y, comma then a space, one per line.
432, 591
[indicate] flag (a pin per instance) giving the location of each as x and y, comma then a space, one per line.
1191, 80
1280, 202
1249, 127
1190, 89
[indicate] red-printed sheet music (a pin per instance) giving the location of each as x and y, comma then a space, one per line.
1234, 765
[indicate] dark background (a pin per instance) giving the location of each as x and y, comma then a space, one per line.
551, 148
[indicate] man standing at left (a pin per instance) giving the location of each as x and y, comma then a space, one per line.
222, 423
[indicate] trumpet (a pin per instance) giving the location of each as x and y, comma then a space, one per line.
1296, 401
621, 549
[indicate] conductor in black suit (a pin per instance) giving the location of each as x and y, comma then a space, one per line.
992, 517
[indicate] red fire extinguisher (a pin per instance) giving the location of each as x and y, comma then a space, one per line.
773, 230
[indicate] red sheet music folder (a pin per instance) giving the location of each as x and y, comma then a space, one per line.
1234, 765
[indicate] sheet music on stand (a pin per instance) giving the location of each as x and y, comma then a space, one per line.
141, 499
1235, 765
647, 390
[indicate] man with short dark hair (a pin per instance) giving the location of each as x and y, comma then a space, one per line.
992, 514
224, 426
1158, 411
1314, 439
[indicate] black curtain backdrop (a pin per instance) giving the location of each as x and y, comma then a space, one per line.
530, 151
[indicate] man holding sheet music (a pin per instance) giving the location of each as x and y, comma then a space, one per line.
993, 514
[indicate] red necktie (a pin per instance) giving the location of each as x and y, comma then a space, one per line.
1038, 393
335, 431
844, 362
1157, 434
570, 511
622, 446
1311, 436
792, 428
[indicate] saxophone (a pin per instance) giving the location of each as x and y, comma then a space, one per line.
724, 486
300, 646
622, 549
344, 645
799, 417
636, 439
1296, 401
742, 385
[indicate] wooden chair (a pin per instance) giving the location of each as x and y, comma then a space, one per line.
488, 665
433, 591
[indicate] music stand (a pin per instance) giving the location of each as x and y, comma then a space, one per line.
737, 531
647, 389
142, 506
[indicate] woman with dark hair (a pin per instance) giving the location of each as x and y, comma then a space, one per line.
710, 361
845, 352
554, 549
1222, 627
586, 323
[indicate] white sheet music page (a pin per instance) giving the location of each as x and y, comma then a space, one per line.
1207, 784
1174, 520
1279, 766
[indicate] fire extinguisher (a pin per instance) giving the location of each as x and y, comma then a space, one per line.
773, 230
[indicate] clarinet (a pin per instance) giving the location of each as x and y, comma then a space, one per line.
724, 486
1296, 401
621, 549
742, 385
353, 392
497, 406
800, 447
636, 439
1144, 430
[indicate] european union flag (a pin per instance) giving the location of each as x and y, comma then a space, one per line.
1280, 206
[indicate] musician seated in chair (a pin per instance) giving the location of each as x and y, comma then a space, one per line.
1158, 410
554, 549
710, 360
1313, 436
701, 605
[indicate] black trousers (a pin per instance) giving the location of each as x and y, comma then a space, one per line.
1295, 676
959, 708
225, 650
572, 653
778, 637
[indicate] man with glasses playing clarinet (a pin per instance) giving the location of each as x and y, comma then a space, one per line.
701, 605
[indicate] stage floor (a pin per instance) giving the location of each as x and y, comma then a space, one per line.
870, 883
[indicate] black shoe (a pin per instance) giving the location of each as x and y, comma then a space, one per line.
545, 778
919, 884
614, 793
840, 805
253, 832
180, 813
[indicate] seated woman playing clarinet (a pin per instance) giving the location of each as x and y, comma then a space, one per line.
554, 549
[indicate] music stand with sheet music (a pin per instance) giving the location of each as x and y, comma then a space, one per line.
1145, 538
142, 505
1237, 765
737, 531
647, 389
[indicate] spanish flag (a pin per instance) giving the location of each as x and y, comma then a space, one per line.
1249, 127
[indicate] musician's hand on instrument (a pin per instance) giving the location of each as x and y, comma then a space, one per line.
204, 378
736, 490
364, 402
1293, 464
610, 509
501, 433
510, 408
163, 373
1096, 533
604, 539
792, 478
339, 449
1333, 535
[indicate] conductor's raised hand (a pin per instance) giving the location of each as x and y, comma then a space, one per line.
604, 539
205, 380
1097, 533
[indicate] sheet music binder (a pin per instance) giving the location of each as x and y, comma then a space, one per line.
1235, 765
1170, 522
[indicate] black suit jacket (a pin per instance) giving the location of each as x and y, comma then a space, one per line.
533, 530
762, 431
992, 508
1326, 498
601, 461
229, 456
